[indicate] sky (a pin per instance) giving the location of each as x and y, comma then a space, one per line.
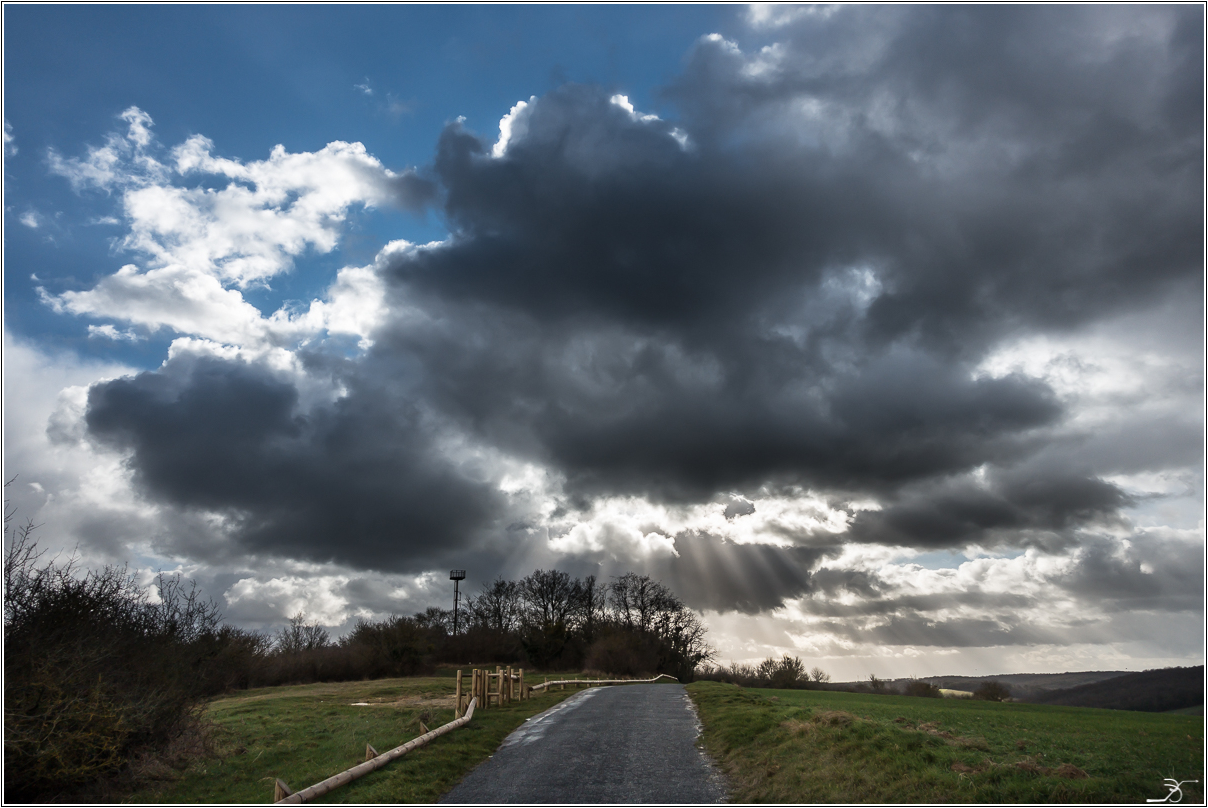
875, 332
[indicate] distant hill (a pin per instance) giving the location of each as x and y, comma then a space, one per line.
1150, 691
1024, 686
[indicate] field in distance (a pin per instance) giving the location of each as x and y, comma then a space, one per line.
794, 746
306, 733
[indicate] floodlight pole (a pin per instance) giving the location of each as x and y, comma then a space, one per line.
456, 576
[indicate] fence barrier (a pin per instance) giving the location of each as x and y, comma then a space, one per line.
508, 686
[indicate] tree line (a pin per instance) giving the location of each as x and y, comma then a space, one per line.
630, 625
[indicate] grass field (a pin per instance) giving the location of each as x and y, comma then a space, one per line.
817, 746
306, 733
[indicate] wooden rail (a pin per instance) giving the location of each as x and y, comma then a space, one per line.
283, 794
590, 682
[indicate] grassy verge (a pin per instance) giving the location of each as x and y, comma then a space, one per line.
306, 733
793, 746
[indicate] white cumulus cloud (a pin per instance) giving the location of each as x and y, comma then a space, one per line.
199, 247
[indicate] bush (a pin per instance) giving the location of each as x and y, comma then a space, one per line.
93, 670
623, 652
916, 687
784, 673
992, 691
735, 674
397, 646
877, 685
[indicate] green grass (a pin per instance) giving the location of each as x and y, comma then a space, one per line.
306, 733
793, 746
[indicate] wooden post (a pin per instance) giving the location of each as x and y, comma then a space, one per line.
280, 791
457, 702
522, 694
370, 754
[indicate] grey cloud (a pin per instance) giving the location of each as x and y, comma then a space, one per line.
413, 191
877, 603
1156, 574
1025, 504
737, 506
1046, 160
921, 630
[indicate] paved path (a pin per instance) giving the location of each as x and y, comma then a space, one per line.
624, 744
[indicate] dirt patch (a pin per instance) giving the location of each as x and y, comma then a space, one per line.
1071, 772
796, 726
1067, 770
411, 702
964, 742
833, 718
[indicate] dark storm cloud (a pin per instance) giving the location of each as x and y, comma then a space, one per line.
791, 283
643, 412
357, 482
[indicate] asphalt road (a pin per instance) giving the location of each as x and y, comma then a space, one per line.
623, 744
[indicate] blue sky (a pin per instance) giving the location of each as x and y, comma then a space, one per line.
873, 331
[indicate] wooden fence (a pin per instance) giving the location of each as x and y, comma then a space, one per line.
502, 686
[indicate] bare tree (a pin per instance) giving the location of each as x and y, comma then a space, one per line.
637, 600
546, 598
435, 618
819, 676
301, 636
590, 606
181, 613
497, 607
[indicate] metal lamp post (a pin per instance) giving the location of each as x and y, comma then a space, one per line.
455, 576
